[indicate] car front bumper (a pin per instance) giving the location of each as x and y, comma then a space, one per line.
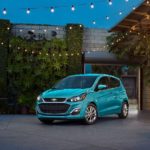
75, 110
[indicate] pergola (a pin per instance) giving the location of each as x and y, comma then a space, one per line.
138, 20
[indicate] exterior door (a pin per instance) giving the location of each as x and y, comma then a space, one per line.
116, 90
103, 97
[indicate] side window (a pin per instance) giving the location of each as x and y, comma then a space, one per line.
113, 83
103, 80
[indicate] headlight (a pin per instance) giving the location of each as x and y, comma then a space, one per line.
77, 98
39, 99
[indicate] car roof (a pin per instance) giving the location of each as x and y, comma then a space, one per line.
93, 74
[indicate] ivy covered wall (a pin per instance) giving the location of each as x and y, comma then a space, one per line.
30, 66
74, 40
4, 43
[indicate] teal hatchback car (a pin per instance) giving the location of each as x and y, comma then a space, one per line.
83, 96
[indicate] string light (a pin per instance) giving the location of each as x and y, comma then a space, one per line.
133, 8
57, 28
107, 17
72, 8
52, 10
47, 54
92, 5
147, 17
70, 28
20, 30
147, 2
28, 11
120, 13
110, 2
4, 11
45, 30
94, 22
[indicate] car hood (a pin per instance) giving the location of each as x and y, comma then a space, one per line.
63, 93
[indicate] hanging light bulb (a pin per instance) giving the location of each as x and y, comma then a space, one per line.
147, 2
94, 22
120, 13
126, 0
72, 8
133, 8
107, 17
4, 11
110, 2
92, 5
52, 10
28, 11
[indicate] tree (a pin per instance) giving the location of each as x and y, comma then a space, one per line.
132, 45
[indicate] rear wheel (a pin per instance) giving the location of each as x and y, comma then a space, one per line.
90, 114
124, 111
46, 121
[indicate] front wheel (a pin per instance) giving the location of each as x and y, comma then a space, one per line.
90, 114
124, 111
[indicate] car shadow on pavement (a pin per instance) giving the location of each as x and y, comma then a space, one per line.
81, 122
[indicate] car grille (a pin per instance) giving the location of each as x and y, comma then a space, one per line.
54, 108
54, 99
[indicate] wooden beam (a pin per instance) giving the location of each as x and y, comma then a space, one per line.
124, 26
140, 13
131, 20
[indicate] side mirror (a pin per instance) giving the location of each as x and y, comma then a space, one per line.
102, 86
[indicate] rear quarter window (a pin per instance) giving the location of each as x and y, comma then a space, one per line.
113, 83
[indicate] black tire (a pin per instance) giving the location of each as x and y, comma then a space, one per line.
90, 114
124, 111
46, 121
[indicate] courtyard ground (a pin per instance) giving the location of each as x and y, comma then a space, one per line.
25, 132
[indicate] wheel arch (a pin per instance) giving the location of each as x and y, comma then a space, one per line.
126, 101
93, 104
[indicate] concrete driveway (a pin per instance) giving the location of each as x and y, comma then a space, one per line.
25, 132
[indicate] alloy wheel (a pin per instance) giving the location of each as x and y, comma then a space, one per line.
125, 110
91, 114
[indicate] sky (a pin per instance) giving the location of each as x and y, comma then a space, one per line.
102, 16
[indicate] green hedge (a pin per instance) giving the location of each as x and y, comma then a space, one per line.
4, 43
30, 67
74, 40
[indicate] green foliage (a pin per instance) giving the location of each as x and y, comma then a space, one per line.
74, 40
35, 66
4, 34
132, 45
107, 69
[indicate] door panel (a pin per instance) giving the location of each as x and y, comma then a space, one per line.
103, 99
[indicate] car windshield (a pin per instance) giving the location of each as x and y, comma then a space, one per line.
75, 82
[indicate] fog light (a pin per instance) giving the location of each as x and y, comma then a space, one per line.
75, 111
